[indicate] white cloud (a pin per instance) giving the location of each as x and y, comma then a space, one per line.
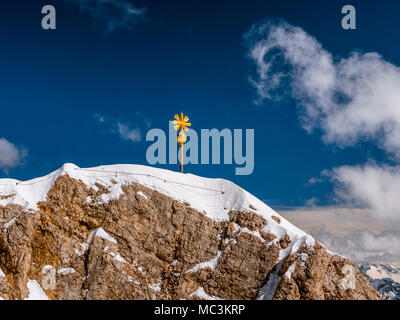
354, 233
314, 180
311, 202
126, 133
352, 99
372, 186
363, 246
99, 118
115, 14
11, 156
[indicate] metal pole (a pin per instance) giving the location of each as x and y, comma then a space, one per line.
181, 159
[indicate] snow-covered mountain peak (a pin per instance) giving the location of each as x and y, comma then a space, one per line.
159, 234
213, 197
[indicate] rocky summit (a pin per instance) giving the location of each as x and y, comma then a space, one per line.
137, 232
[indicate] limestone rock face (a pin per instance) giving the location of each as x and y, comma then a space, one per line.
81, 242
318, 275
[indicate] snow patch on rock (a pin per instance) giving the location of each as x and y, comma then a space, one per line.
288, 273
140, 193
202, 294
65, 271
117, 257
102, 234
35, 291
156, 286
208, 264
9, 223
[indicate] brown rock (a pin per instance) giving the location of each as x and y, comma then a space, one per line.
152, 250
277, 219
249, 220
284, 242
318, 275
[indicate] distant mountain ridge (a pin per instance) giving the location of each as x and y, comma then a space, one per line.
384, 277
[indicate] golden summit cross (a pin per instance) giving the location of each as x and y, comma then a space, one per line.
181, 124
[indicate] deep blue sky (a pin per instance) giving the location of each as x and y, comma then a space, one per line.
189, 56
